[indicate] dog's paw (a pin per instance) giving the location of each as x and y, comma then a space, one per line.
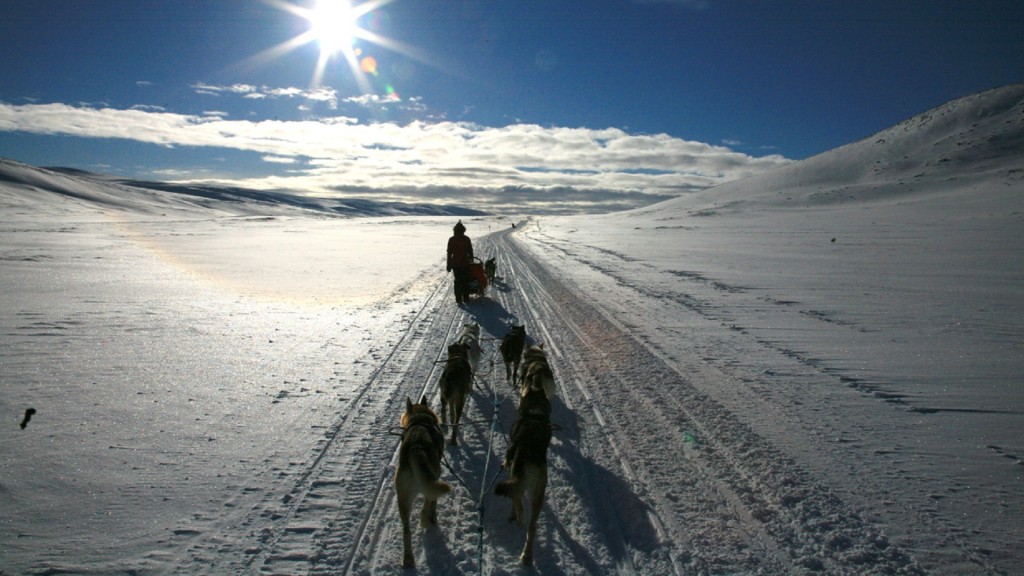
526, 559
428, 520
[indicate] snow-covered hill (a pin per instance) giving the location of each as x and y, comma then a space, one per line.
28, 185
814, 371
976, 138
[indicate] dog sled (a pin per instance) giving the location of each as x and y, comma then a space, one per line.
477, 277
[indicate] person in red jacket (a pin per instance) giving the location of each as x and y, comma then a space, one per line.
460, 255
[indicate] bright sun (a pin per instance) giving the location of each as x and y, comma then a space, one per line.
333, 25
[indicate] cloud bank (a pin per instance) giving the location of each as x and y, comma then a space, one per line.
520, 167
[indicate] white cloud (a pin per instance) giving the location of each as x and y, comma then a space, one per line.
324, 94
414, 104
344, 154
369, 100
279, 159
289, 92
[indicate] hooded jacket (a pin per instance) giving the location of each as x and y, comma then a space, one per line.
460, 248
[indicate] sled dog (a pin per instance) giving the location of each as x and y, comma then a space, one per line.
470, 336
490, 268
456, 384
512, 345
537, 372
419, 470
526, 461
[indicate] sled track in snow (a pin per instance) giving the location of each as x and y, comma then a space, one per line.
326, 515
614, 506
746, 508
581, 531
578, 482
369, 530
453, 546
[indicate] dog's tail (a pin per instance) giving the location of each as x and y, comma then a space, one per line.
431, 486
440, 488
506, 488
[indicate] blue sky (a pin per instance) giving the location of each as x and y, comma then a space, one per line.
601, 104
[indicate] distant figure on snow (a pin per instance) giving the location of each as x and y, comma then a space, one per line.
460, 255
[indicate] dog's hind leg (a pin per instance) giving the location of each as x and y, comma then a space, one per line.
404, 509
455, 415
428, 515
431, 493
517, 508
454, 418
511, 489
536, 503
454, 440
444, 400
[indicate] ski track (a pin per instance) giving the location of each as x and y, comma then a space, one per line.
613, 506
733, 353
343, 503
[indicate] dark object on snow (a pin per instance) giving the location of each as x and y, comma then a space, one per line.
477, 282
512, 345
490, 269
526, 461
28, 416
459, 258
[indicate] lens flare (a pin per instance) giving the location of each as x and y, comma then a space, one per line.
368, 65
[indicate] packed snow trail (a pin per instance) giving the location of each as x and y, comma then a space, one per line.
629, 427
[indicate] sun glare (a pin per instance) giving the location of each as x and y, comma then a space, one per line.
333, 24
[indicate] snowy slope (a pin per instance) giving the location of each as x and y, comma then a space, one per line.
874, 291
27, 184
815, 371
978, 137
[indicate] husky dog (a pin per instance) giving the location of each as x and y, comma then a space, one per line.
419, 470
526, 461
536, 372
490, 268
456, 384
512, 351
470, 336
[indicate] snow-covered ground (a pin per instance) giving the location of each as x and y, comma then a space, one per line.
813, 371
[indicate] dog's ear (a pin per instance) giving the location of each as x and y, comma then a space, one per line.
541, 345
408, 404
423, 400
